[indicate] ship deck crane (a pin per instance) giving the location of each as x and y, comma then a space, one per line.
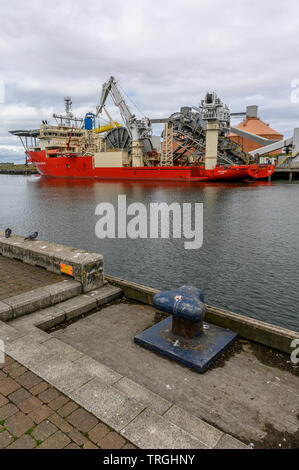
138, 129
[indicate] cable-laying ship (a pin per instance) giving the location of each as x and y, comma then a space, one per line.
195, 145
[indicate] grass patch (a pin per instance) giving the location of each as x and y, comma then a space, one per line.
29, 431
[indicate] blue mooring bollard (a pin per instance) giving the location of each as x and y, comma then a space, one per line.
186, 304
185, 337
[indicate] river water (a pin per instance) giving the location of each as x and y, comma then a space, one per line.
248, 262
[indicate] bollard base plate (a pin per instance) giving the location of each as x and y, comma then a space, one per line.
197, 353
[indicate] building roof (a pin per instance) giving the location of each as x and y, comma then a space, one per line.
256, 126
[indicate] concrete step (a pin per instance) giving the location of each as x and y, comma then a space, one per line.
68, 309
90, 301
37, 299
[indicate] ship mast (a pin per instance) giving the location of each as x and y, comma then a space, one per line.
67, 118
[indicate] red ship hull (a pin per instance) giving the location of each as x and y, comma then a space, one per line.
82, 167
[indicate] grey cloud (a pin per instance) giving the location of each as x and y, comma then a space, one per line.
167, 54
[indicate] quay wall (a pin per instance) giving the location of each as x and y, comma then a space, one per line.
254, 330
81, 265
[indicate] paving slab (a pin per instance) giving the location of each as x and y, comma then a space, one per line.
7, 410
229, 442
7, 333
28, 351
143, 395
18, 424
19, 396
5, 439
99, 370
16, 371
59, 440
33, 334
25, 442
68, 409
208, 435
48, 395
65, 375
40, 414
58, 402
8, 386
60, 422
39, 388
44, 430
98, 433
82, 420
3, 400
78, 437
151, 431
72, 445
107, 403
63, 350
112, 441
89, 445
29, 380
30, 404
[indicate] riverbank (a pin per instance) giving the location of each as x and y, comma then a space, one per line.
17, 169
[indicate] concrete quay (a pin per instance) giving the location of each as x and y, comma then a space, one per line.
79, 344
290, 173
81, 265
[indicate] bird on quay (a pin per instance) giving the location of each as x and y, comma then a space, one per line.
33, 236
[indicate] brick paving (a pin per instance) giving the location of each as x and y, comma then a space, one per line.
34, 415
17, 277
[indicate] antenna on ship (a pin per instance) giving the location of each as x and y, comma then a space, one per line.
65, 120
68, 109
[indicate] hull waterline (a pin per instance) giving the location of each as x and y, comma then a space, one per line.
82, 167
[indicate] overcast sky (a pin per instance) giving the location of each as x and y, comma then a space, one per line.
166, 54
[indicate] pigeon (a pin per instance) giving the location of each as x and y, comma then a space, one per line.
7, 233
33, 236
